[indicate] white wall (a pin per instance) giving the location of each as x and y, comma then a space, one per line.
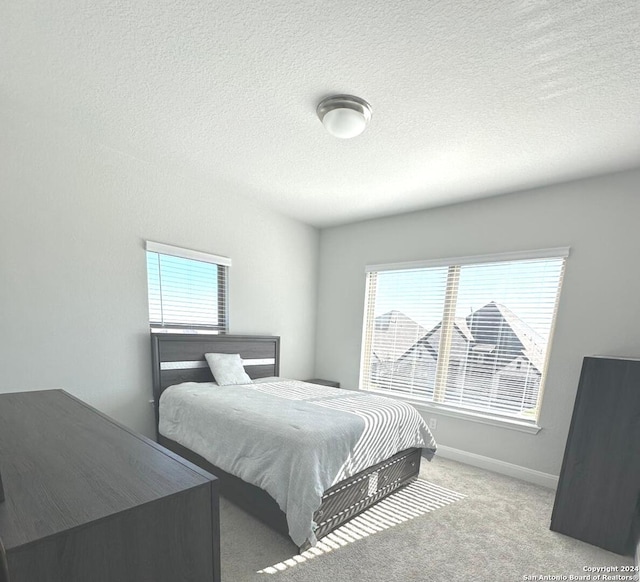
599, 311
73, 299
73, 306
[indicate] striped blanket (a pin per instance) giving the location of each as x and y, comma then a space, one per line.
291, 438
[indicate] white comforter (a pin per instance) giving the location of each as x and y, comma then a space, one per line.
291, 438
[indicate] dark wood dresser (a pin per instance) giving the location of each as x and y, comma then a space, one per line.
88, 500
598, 496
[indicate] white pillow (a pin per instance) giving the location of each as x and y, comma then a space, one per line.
227, 369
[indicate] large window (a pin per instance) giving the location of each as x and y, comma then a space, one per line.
187, 289
470, 333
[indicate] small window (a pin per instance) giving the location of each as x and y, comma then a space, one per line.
471, 334
187, 289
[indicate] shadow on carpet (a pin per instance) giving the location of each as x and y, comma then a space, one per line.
414, 500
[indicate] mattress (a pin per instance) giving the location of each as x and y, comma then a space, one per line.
292, 439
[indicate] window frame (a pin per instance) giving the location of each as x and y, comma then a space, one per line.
222, 289
492, 417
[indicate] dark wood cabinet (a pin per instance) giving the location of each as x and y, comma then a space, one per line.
87, 499
598, 496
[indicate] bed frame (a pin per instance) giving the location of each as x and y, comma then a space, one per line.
180, 358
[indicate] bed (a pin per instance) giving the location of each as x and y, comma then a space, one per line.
182, 379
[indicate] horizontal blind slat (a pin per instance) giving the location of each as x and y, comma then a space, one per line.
500, 314
186, 292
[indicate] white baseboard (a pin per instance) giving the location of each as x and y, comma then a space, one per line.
509, 469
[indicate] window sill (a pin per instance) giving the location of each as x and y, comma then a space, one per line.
482, 418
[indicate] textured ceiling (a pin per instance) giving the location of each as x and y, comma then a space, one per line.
470, 98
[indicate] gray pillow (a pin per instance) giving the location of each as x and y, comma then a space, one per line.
227, 369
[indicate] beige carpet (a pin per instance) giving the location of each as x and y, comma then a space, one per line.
457, 523
412, 501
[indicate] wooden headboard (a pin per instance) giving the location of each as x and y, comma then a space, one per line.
179, 357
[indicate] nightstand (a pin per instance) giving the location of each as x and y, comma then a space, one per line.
324, 382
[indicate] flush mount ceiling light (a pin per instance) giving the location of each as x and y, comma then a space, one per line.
344, 116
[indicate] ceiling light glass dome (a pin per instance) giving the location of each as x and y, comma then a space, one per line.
344, 116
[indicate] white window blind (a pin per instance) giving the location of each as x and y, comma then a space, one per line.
187, 289
466, 333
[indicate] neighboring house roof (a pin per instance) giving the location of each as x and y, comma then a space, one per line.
459, 322
463, 327
395, 333
530, 339
513, 367
430, 341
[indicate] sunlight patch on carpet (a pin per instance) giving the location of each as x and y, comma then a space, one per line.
412, 501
